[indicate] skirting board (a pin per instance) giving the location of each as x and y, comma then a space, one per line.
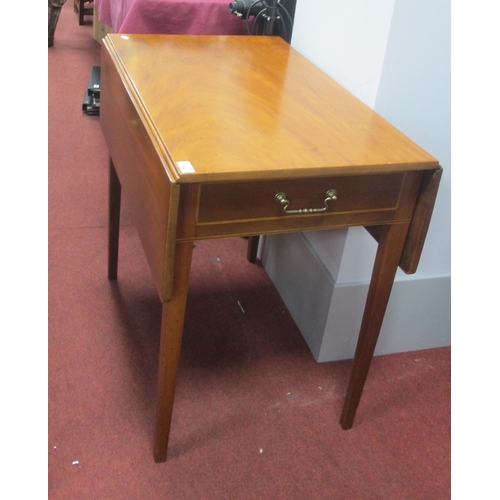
329, 314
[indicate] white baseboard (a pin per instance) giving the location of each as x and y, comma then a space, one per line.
329, 314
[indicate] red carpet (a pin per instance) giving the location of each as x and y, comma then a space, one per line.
255, 416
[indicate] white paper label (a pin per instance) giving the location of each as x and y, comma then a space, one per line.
185, 167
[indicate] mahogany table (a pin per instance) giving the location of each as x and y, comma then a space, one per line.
222, 136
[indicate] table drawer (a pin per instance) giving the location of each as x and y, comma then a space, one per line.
300, 197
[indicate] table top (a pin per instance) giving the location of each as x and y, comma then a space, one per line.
243, 108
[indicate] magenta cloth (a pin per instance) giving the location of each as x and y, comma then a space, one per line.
195, 17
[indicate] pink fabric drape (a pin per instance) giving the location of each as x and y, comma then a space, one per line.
197, 17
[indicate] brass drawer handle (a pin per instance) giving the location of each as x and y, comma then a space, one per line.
281, 199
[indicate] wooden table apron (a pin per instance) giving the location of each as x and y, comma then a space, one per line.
394, 201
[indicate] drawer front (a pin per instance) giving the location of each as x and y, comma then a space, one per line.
251, 201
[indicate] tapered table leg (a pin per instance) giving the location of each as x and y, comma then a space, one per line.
391, 243
172, 326
115, 191
253, 246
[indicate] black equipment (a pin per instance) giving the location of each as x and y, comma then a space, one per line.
92, 97
265, 17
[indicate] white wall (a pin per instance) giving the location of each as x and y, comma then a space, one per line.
345, 39
394, 55
415, 95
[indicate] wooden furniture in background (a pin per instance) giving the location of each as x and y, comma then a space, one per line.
83, 8
99, 29
222, 136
